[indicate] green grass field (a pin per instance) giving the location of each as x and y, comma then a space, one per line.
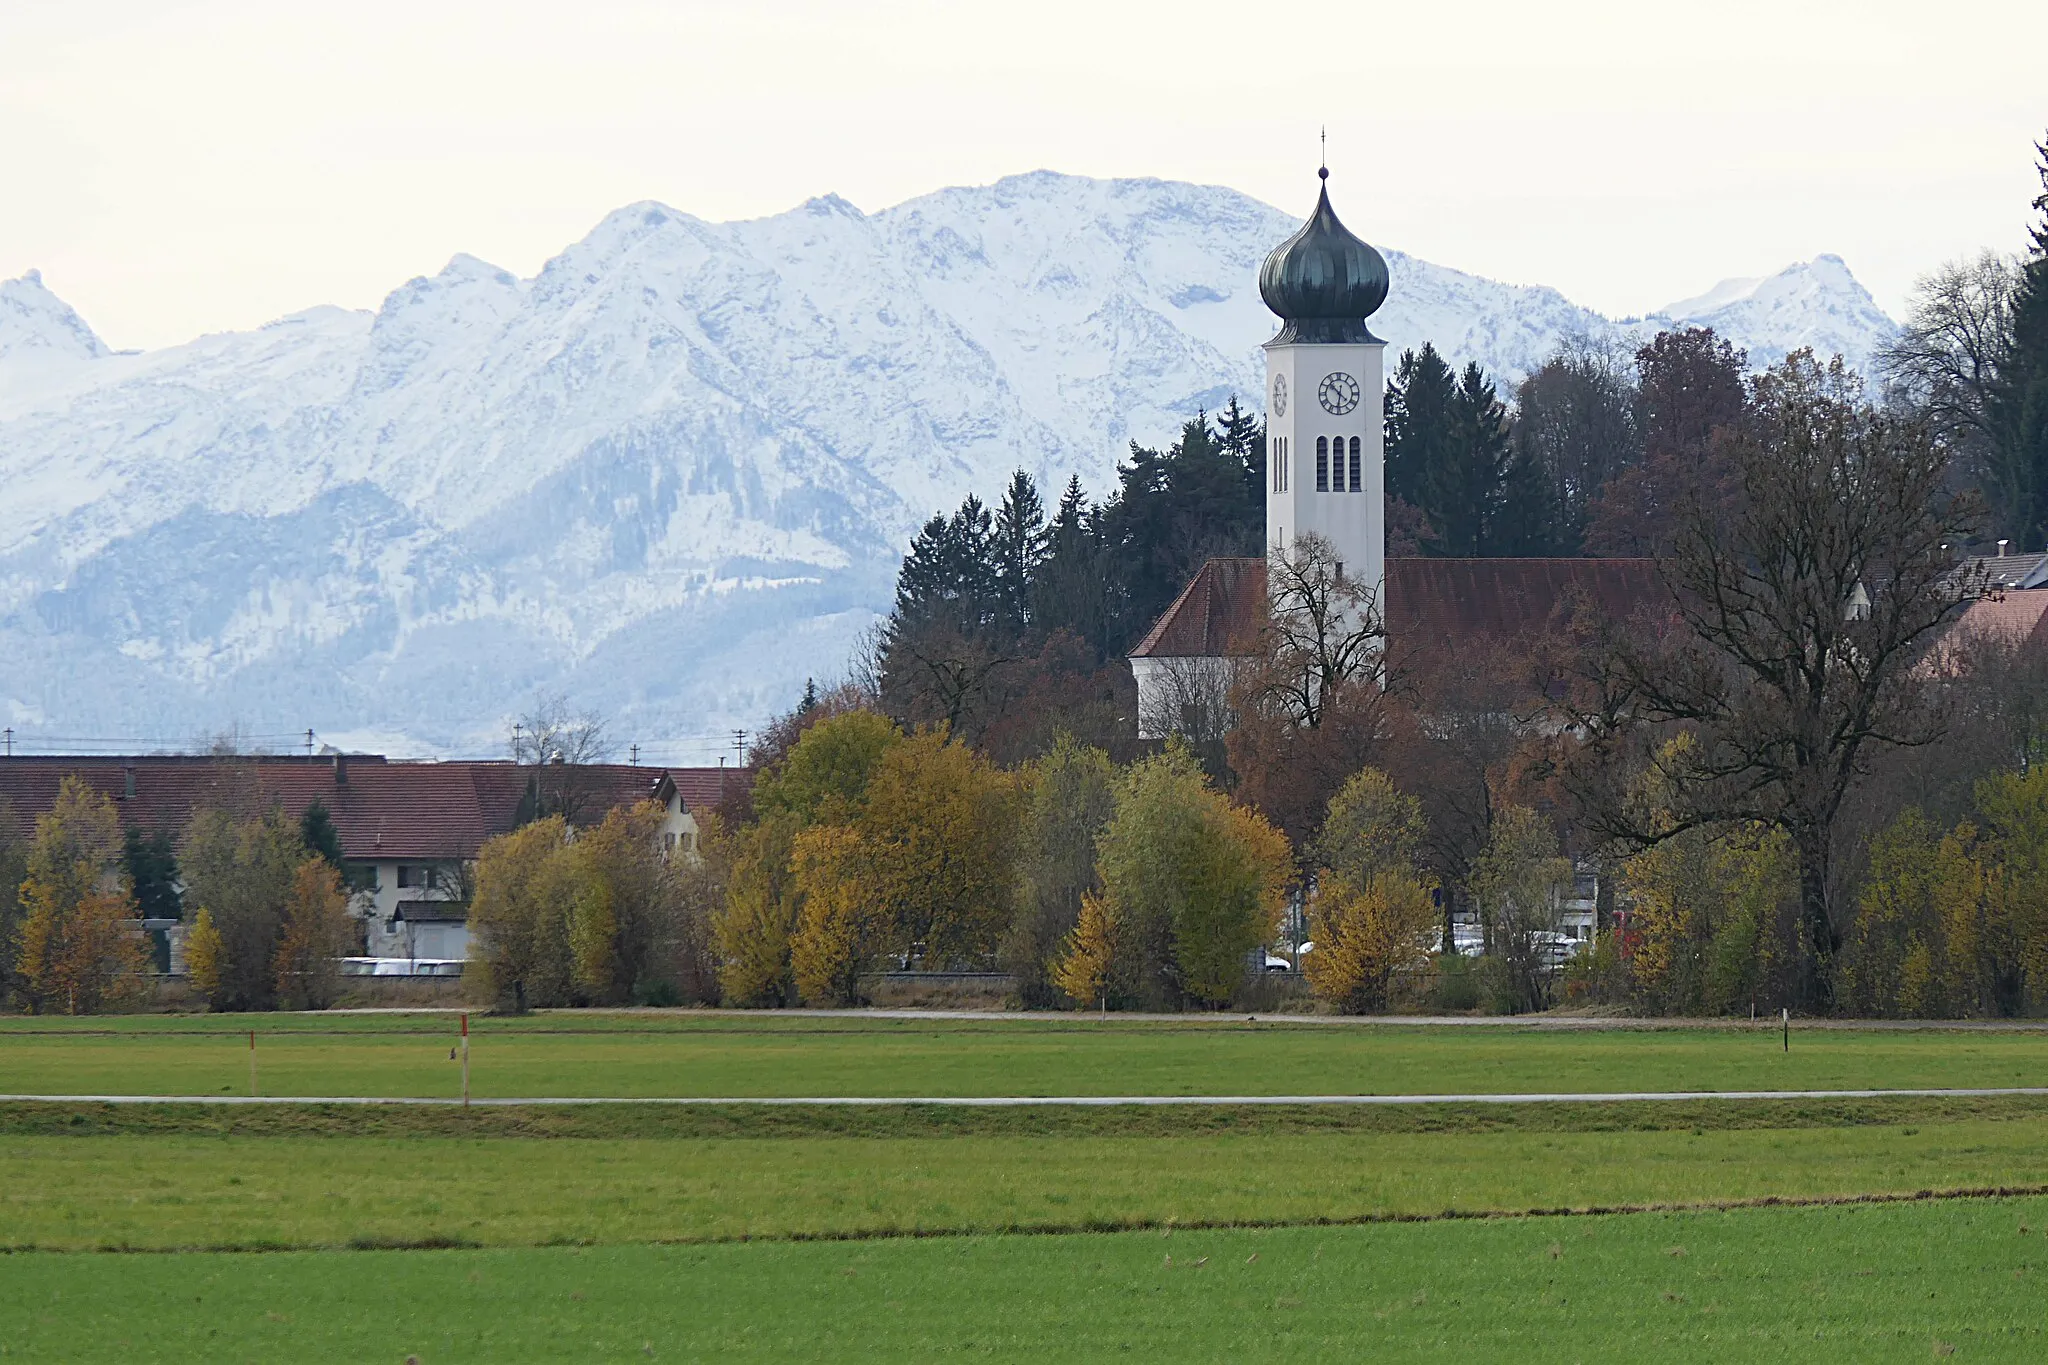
636, 1230
684, 1055
161, 1192
1868, 1283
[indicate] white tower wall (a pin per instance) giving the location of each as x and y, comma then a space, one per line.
1352, 520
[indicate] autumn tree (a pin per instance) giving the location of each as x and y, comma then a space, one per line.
314, 935
75, 952
519, 921
1689, 393
1519, 881
240, 871
1068, 797
1707, 909
13, 868
626, 898
823, 781
841, 928
1191, 883
1371, 916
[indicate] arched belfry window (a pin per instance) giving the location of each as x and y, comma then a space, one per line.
1355, 485
1323, 464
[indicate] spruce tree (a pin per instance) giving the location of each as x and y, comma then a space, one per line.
1418, 415
318, 834
2018, 406
153, 871
1018, 543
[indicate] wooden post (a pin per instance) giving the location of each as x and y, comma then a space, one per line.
1786, 1016
252, 1063
465, 1059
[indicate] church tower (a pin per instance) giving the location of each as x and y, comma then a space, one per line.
1325, 383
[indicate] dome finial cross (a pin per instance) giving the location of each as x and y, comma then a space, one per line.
1323, 171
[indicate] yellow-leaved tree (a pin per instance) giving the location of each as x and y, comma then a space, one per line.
316, 933
1371, 916
77, 951
822, 781
1191, 885
841, 926
626, 898
1087, 972
526, 885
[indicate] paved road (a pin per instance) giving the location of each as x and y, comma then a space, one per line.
1054, 1101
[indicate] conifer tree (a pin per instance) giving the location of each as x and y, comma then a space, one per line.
318, 834
1018, 543
2018, 406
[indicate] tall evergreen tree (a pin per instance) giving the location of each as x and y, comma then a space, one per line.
1243, 438
318, 834
1418, 416
1450, 453
1071, 590
2018, 406
153, 872
1018, 546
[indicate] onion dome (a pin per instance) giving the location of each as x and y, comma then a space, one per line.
1323, 282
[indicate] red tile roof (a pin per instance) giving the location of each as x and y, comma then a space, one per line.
382, 810
1433, 599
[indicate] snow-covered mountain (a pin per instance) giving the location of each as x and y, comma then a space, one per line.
670, 475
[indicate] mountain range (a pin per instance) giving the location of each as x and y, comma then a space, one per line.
669, 476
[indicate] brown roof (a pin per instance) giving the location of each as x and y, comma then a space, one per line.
1437, 599
381, 810
2018, 618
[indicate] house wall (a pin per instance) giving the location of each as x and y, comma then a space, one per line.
385, 935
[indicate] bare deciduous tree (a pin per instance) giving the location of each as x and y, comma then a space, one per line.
559, 745
1325, 628
1806, 606
1945, 359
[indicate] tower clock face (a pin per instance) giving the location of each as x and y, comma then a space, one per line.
1338, 393
1279, 395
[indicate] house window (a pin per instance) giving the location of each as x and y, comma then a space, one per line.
689, 840
417, 877
1354, 464
670, 840
1322, 464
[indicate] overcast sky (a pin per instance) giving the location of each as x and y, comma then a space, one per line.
178, 167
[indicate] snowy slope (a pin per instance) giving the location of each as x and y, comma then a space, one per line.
1817, 303
670, 474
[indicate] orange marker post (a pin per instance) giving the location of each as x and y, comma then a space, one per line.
465, 1059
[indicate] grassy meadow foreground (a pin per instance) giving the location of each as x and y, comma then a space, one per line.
1870, 1283
323, 1232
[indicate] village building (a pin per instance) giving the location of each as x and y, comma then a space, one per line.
409, 832
1325, 447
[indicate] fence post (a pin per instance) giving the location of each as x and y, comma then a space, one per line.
252, 1064
465, 1059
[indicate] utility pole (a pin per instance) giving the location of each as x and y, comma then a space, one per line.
8, 733
309, 742
633, 754
739, 740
